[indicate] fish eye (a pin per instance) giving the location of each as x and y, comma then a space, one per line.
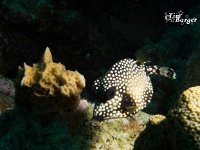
110, 93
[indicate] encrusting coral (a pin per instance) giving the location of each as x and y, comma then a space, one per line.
184, 121
156, 119
49, 85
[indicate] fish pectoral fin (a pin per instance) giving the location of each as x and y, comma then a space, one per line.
131, 108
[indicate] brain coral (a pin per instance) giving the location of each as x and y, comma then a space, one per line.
50, 84
184, 121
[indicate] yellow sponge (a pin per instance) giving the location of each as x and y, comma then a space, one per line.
49, 82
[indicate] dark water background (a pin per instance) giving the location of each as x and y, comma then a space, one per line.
91, 35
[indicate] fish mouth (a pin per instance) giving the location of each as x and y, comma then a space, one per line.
97, 118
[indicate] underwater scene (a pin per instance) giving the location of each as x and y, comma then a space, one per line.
99, 75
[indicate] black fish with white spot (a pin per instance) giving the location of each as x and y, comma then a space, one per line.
126, 88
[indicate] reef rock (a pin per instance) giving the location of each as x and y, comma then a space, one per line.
117, 134
6, 103
7, 92
7, 87
153, 135
183, 123
49, 87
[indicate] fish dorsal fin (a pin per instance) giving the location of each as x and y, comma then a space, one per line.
142, 57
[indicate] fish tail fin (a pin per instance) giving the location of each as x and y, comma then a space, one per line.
164, 71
